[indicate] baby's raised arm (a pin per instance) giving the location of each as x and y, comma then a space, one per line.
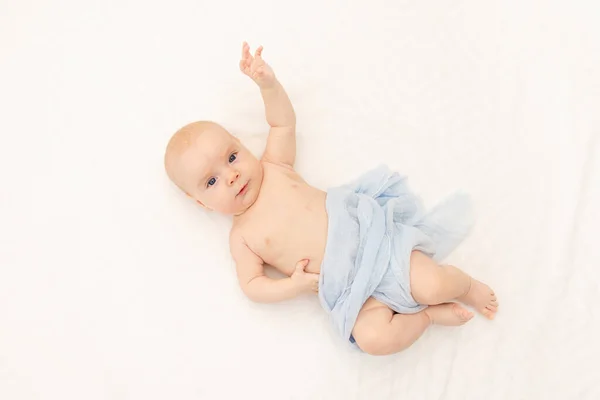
260, 288
281, 144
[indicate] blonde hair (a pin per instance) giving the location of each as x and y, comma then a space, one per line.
179, 143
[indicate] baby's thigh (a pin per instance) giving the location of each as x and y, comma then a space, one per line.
373, 316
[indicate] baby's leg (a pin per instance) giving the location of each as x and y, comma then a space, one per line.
378, 331
434, 284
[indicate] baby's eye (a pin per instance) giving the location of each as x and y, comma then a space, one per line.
232, 157
211, 182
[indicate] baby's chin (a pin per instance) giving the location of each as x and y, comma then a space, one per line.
241, 210
233, 210
248, 202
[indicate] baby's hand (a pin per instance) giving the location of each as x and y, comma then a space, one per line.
255, 67
305, 281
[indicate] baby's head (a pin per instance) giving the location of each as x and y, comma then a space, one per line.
213, 167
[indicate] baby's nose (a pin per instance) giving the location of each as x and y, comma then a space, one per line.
233, 177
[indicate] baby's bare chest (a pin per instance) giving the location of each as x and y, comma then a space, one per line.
289, 222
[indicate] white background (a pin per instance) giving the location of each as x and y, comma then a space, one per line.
113, 285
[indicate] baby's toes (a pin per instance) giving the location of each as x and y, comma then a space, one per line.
489, 314
466, 315
491, 308
463, 314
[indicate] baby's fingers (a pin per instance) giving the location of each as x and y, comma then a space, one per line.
258, 52
300, 265
246, 57
314, 282
245, 50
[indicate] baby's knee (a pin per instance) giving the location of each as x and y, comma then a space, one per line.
371, 340
371, 329
429, 293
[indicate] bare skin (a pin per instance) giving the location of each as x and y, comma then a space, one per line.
281, 220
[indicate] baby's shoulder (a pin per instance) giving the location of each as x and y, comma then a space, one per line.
242, 230
266, 163
279, 170
236, 233
280, 173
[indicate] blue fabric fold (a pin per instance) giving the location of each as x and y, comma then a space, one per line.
375, 223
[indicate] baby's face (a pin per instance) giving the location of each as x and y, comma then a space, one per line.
220, 172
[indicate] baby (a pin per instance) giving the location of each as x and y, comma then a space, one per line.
282, 221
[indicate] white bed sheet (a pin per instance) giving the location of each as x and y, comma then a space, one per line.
114, 286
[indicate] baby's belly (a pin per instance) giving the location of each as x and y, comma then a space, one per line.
299, 250
303, 235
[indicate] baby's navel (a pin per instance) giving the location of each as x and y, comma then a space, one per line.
267, 241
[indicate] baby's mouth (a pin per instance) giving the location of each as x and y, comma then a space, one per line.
243, 189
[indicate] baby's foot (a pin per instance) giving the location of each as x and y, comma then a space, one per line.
450, 314
481, 297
